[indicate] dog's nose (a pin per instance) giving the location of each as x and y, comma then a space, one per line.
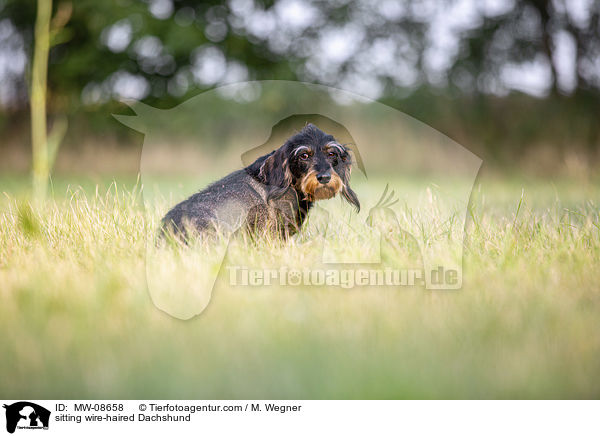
324, 178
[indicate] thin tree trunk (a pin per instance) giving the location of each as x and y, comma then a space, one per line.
543, 8
39, 73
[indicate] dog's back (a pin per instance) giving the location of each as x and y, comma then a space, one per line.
237, 200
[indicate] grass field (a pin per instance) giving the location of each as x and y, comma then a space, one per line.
78, 321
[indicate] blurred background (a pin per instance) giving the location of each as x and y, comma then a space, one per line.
516, 82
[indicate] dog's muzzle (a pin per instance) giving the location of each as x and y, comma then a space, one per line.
321, 186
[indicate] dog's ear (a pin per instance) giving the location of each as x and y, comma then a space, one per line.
347, 192
350, 196
275, 173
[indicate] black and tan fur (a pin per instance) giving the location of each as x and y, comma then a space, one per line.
274, 193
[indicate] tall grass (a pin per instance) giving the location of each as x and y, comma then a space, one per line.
78, 320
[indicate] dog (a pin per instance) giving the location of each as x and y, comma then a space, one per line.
274, 194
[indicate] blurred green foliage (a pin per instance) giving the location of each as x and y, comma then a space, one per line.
162, 49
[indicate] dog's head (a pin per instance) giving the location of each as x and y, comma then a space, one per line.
312, 162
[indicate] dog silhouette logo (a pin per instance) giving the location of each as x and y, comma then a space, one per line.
26, 415
413, 182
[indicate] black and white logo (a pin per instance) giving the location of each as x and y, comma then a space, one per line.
26, 415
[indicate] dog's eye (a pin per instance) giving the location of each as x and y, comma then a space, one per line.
304, 156
331, 154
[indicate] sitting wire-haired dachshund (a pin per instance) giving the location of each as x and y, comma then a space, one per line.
274, 194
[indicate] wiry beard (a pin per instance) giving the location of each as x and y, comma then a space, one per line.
315, 190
